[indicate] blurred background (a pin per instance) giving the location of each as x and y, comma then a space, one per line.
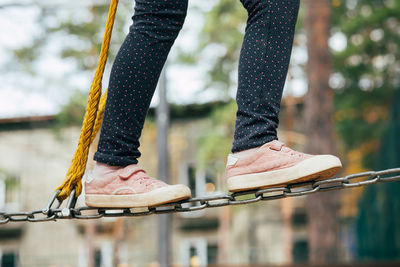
342, 96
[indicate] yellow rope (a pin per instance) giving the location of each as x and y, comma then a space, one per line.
93, 116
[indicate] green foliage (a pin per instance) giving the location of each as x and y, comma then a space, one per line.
11, 181
222, 33
367, 69
72, 113
378, 235
214, 146
82, 38
81, 41
378, 221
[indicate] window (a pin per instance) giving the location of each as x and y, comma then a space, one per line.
97, 258
300, 251
212, 254
9, 259
194, 252
299, 218
9, 192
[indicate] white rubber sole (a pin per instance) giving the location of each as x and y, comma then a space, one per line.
318, 167
162, 195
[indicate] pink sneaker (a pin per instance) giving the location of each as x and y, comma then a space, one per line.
129, 187
274, 164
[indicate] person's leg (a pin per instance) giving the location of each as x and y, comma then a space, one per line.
134, 77
263, 66
259, 160
116, 180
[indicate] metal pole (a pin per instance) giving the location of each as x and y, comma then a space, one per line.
164, 220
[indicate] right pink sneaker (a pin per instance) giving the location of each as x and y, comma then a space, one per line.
129, 187
274, 164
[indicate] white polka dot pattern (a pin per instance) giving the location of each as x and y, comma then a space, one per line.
263, 65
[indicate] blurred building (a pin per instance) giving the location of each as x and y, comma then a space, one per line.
35, 155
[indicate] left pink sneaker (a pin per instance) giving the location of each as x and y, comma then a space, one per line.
129, 187
274, 164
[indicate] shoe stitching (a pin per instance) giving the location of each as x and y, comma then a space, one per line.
124, 174
123, 188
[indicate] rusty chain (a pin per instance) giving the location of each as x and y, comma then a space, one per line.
50, 213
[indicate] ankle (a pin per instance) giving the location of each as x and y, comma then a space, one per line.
102, 170
245, 153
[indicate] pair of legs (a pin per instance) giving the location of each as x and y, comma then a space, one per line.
263, 65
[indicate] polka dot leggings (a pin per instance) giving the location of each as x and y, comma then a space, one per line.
263, 65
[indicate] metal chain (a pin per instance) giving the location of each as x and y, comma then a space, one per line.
50, 213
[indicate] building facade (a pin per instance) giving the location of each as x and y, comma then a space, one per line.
34, 156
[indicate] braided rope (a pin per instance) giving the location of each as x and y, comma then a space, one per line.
93, 116
99, 116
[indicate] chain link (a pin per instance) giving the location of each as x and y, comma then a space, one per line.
238, 198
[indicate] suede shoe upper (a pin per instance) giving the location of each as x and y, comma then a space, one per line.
271, 156
128, 180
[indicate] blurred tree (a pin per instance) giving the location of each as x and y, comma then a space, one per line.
72, 113
366, 71
378, 220
221, 36
214, 147
365, 77
75, 33
322, 209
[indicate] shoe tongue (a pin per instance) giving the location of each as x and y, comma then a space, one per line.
129, 170
276, 145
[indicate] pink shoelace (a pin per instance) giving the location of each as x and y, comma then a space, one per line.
139, 175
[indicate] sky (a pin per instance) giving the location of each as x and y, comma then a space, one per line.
44, 94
